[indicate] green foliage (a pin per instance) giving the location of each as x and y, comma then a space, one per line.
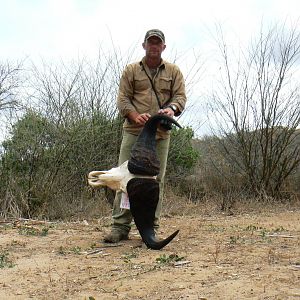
5, 261
233, 239
28, 230
25, 158
182, 159
31, 136
182, 155
128, 256
44, 162
164, 259
76, 250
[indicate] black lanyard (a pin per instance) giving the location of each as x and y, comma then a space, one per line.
153, 88
167, 125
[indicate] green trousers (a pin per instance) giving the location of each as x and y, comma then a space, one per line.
122, 218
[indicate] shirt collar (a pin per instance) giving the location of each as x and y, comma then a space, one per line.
143, 63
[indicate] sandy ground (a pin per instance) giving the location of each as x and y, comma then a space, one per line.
248, 256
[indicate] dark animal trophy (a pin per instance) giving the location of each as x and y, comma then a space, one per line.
138, 178
143, 193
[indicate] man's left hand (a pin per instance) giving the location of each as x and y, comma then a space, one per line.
166, 111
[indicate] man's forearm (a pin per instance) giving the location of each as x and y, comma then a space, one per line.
132, 115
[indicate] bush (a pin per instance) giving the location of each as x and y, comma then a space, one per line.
43, 163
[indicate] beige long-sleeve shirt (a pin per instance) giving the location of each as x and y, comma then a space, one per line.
136, 92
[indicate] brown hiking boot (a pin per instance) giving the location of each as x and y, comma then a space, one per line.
115, 236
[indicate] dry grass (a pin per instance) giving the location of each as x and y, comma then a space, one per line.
228, 204
94, 204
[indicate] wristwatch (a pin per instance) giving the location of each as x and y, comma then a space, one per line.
173, 107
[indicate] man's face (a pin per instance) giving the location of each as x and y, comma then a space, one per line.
154, 47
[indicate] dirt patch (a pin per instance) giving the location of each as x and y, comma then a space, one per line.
248, 256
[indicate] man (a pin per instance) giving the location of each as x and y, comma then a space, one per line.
146, 88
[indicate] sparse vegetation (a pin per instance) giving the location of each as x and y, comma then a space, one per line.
128, 256
76, 250
213, 249
165, 259
70, 125
256, 108
5, 261
30, 230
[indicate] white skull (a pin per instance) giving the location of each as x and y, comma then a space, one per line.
115, 178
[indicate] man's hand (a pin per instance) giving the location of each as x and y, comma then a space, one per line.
164, 124
142, 119
166, 111
139, 119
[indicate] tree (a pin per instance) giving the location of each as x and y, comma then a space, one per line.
25, 161
182, 155
72, 128
9, 84
257, 110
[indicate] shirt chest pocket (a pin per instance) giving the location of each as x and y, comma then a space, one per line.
141, 84
165, 85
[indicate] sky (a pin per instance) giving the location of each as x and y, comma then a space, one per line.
54, 30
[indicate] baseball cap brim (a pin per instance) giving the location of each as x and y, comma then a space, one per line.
156, 33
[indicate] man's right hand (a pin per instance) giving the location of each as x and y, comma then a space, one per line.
139, 119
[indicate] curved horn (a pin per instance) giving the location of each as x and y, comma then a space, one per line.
144, 160
151, 241
143, 198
